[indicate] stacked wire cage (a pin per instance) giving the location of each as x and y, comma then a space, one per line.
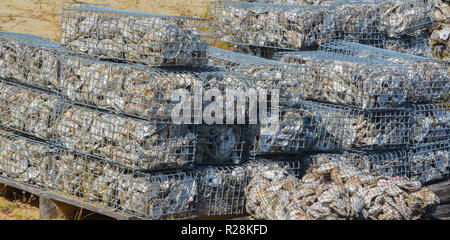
264, 27
28, 102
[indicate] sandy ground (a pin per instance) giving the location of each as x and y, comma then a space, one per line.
42, 17
17, 205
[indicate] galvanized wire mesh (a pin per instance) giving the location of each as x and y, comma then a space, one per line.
322, 127
29, 59
391, 163
268, 73
430, 161
137, 37
130, 89
25, 160
222, 190
272, 25
27, 110
220, 144
416, 44
430, 123
130, 142
427, 80
147, 196
366, 80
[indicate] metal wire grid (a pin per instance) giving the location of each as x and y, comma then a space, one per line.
147, 196
131, 89
323, 127
24, 160
220, 144
388, 163
136, 37
310, 126
430, 123
416, 44
29, 60
27, 110
293, 164
428, 80
130, 142
431, 161
222, 190
366, 80
272, 25
269, 73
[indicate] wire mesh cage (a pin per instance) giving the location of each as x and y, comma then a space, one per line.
147, 196
267, 73
416, 44
390, 163
427, 80
322, 127
430, 123
429, 162
310, 126
293, 164
130, 89
132, 143
29, 59
27, 110
24, 160
136, 37
272, 25
220, 144
222, 190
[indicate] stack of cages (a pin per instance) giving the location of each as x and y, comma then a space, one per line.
133, 88
353, 105
391, 24
428, 88
28, 103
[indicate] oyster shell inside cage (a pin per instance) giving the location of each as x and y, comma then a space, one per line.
335, 190
29, 59
430, 161
25, 160
148, 196
425, 80
137, 37
124, 140
430, 123
27, 110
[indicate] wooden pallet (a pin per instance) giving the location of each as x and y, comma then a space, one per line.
442, 190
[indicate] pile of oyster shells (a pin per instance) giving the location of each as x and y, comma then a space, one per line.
335, 191
440, 32
131, 142
143, 38
27, 110
29, 60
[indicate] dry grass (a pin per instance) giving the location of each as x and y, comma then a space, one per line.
17, 205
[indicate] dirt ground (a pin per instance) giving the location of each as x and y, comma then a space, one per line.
42, 17
16, 205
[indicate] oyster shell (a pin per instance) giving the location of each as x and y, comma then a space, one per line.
380, 198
